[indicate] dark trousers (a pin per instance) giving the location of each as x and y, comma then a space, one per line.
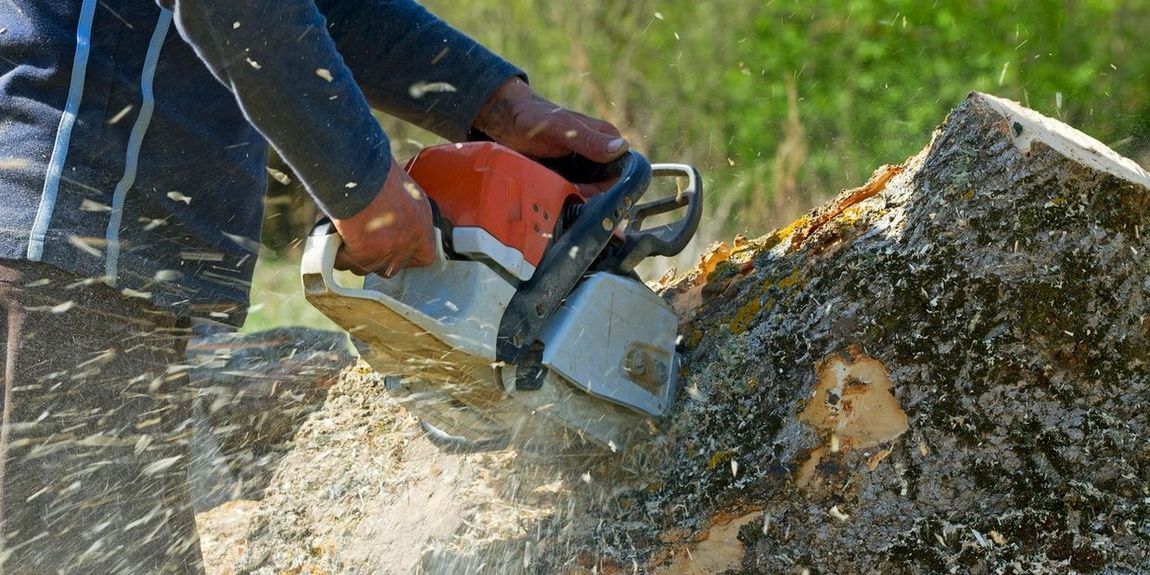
95, 430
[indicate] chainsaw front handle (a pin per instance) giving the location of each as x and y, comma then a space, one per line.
666, 239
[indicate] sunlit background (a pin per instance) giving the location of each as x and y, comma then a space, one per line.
781, 104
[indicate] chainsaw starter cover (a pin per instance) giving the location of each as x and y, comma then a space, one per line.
491, 187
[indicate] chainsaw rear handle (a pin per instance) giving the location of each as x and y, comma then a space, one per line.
318, 265
325, 227
666, 239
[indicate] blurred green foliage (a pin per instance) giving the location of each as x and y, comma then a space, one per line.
783, 103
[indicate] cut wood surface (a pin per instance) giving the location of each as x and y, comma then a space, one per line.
944, 370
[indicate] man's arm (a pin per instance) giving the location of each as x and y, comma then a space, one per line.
412, 65
296, 88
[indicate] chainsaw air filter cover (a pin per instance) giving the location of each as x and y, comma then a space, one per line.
502, 206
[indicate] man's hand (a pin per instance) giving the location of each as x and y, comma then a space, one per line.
519, 118
393, 232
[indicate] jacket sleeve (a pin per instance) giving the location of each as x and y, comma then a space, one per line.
294, 85
412, 65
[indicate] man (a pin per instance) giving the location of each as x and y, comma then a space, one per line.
135, 137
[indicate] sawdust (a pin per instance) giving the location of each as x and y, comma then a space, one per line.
363, 489
223, 534
427, 512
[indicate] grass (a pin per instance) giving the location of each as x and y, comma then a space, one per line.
278, 300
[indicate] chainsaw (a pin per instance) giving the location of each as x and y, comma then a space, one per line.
532, 325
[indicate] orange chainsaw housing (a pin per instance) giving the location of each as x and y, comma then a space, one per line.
489, 186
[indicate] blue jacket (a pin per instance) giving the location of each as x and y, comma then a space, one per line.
134, 134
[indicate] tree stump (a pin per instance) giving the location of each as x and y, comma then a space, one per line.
944, 369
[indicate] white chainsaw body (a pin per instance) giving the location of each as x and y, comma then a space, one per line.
592, 359
609, 351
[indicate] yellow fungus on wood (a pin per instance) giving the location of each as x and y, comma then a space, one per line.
719, 458
745, 316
